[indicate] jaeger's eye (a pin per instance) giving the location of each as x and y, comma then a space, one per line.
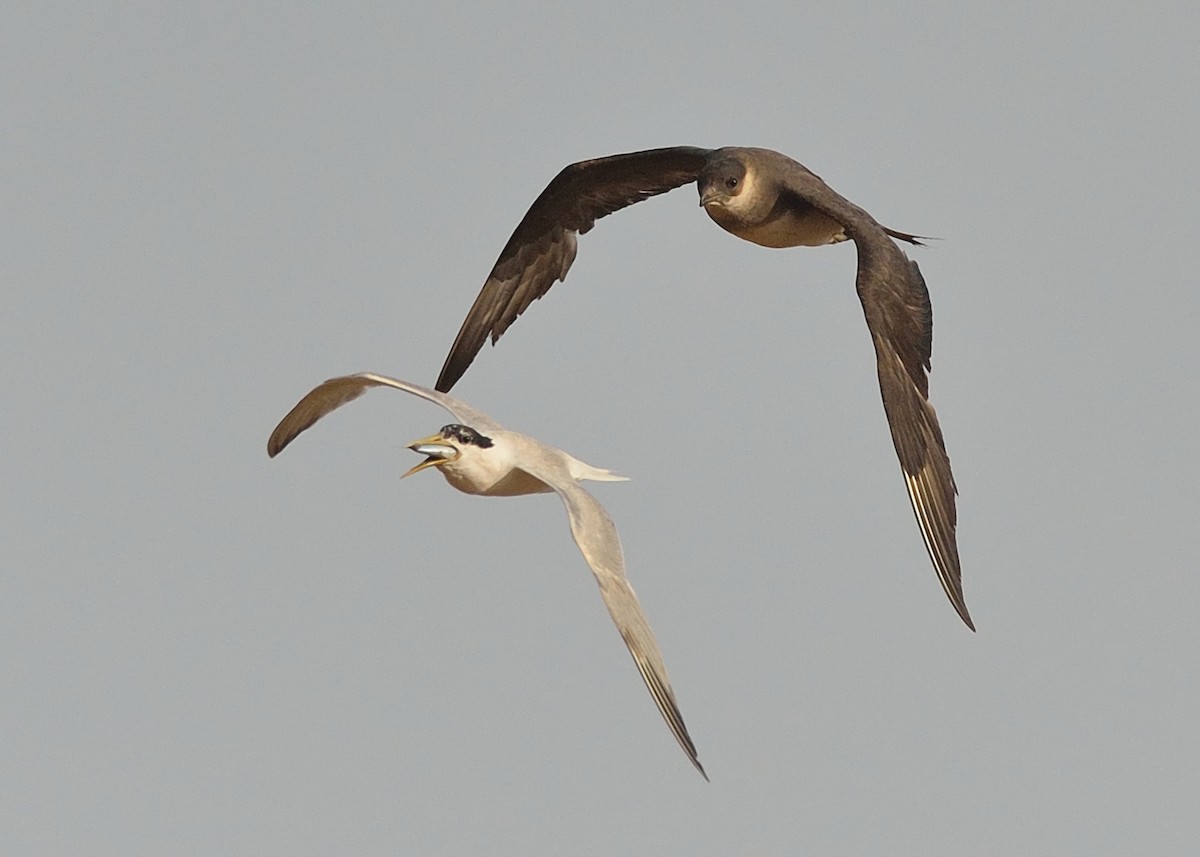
731, 182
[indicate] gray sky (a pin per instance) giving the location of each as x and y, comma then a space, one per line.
207, 212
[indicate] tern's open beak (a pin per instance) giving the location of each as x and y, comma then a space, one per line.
713, 196
434, 446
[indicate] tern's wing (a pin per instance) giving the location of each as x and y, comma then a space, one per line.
542, 248
896, 305
338, 391
596, 536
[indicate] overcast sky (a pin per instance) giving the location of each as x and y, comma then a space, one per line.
208, 209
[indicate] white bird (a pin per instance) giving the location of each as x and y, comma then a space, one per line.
479, 456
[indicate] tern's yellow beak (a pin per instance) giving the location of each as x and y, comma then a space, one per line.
436, 447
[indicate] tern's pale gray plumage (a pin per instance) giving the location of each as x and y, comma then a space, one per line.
479, 456
767, 198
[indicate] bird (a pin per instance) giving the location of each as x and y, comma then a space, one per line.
479, 456
769, 199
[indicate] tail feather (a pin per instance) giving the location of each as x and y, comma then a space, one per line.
581, 470
918, 240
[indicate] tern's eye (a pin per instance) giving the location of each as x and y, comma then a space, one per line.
467, 435
731, 182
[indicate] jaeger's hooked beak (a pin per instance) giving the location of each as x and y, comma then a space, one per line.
713, 196
435, 446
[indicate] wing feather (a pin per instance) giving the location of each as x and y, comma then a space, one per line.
335, 392
541, 249
596, 536
899, 316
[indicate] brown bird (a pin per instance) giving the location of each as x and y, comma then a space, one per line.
771, 200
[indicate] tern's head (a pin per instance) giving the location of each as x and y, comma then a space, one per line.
720, 181
452, 444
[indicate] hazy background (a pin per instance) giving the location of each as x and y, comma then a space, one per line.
209, 209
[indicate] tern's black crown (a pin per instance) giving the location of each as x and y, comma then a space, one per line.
467, 435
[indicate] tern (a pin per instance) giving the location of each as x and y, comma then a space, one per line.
769, 199
479, 456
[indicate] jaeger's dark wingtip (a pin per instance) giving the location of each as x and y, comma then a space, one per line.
447, 379
451, 371
960, 607
278, 441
